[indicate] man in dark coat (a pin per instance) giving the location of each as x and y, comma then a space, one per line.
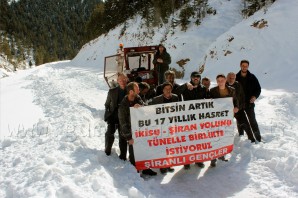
206, 83
242, 121
114, 98
132, 99
252, 91
161, 61
223, 91
144, 89
166, 97
193, 91
169, 77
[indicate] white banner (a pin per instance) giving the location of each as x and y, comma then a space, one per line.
178, 133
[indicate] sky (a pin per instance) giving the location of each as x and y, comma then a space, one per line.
52, 128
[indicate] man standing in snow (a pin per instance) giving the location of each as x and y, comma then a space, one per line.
223, 91
132, 99
193, 91
252, 91
161, 62
114, 98
166, 97
242, 122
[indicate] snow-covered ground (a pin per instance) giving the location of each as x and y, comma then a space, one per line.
52, 128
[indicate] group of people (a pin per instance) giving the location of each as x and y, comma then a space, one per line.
244, 87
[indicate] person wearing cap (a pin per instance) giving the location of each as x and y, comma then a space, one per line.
166, 97
120, 57
223, 91
161, 61
241, 118
193, 91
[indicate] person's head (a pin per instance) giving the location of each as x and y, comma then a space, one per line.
144, 88
132, 90
138, 79
161, 48
167, 89
122, 80
206, 82
221, 81
121, 45
231, 78
195, 78
170, 76
244, 64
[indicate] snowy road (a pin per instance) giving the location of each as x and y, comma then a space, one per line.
61, 155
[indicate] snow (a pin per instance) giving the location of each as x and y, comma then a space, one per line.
52, 128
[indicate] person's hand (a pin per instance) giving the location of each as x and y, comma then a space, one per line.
252, 99
235, 109
189, 86
137, 106
130, 142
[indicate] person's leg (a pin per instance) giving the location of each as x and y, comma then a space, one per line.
131, 155
239, 128
213, 163
200, 164
122, 147
244, 124
250, 112
109, 138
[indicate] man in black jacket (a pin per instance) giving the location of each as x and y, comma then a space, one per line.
252, 91
206, 82
132, 99
114, 98
166, 97
223, 91
193, 91
161, 61
242, 121
169, 77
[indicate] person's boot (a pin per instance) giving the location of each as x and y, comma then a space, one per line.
123, 148
213, 163
109, 140
200, 164
163, 170
222, 158
149, 172
258, 138
187, 166
170, 169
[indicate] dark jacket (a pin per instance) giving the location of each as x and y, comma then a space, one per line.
250, 85
124, 116
200, 92
159, 89
162, 67
214, 93
160, 99
111, 105
239, 94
